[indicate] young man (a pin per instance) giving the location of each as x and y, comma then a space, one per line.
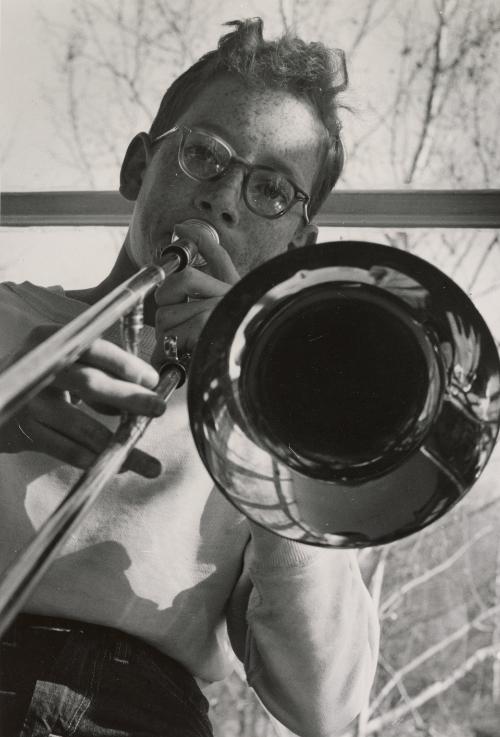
164, 577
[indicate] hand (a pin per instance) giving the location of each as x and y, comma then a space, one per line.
186, 299
105, 377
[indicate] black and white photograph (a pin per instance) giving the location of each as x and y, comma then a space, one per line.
249, 470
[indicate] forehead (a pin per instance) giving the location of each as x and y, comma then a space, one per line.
265, 126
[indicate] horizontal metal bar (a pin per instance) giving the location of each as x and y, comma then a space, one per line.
344, 208
64, 209
413, 209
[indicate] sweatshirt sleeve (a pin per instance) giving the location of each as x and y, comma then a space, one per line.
309, 637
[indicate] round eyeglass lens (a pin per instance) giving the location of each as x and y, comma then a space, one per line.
268, 192
203, 156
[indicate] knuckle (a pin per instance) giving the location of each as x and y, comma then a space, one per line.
135, 370
147, 377
97, 348
88, 381
190, 277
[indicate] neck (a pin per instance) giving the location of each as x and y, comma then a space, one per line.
123, 269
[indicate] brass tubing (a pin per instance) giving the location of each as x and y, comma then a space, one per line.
23, 575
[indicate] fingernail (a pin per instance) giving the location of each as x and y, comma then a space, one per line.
144, 465
158, 406
151, 469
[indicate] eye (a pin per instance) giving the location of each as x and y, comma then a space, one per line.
204, 156
272, 187
200, 152
200, 155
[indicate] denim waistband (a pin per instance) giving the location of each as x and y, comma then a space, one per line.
26, 624
44, 658
121, 646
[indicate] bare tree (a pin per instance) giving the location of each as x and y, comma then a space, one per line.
115, 59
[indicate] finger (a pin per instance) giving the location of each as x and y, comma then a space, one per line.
219, 263
53, 443
187, 336
114, 360
218, 260
50, 441
142, 463
67, 420
78, 439
189, 283
95, 386
173, 316
18, 433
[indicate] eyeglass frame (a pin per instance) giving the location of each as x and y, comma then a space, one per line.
299, 194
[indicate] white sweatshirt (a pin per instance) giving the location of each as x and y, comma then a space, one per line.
170, 560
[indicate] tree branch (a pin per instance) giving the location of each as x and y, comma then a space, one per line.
392, 600
392, 716
429, 653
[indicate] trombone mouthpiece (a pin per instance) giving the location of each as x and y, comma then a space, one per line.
196, 231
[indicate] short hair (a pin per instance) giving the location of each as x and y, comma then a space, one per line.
310, 71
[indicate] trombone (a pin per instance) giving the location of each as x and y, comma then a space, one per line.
345, 394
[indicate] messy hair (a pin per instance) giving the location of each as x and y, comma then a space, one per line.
310, 71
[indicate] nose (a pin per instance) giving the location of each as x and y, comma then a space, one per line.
222, 198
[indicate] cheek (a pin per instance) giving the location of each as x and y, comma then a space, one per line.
164, 183
268, 240
162, 199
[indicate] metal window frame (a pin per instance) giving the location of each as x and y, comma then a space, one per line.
344, 208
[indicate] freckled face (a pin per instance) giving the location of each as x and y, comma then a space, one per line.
268, 127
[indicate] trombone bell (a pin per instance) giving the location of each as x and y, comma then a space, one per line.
345, 394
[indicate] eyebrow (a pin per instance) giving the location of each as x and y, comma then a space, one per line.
268, 160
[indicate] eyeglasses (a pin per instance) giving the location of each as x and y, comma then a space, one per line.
205, 157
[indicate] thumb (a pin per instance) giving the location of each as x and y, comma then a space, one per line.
218, 259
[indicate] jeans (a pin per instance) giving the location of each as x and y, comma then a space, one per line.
61, 678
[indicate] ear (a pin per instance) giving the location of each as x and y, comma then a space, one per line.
305, 235
137, 158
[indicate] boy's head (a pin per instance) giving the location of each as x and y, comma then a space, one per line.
247, 139
310, 71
